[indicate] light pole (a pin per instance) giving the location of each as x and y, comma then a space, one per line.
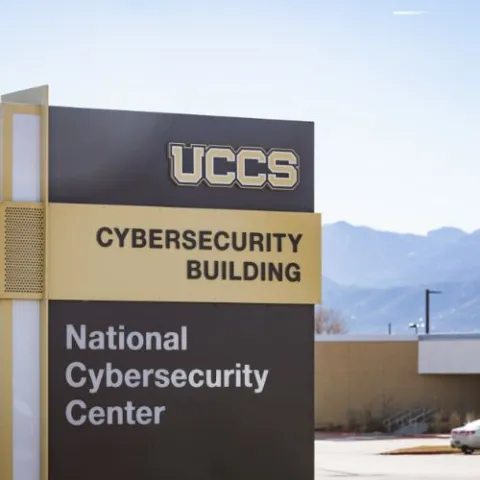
416, 325
428, 292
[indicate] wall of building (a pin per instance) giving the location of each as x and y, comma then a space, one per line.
357, 379
449, 353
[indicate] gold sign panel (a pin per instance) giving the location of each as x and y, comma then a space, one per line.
128, 253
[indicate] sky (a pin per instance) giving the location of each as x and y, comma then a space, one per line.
394, 97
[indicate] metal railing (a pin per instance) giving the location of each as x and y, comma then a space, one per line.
408, 417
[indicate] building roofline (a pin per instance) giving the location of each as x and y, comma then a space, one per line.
365, 338
448, 336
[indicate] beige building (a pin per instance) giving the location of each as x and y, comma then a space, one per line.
360, 381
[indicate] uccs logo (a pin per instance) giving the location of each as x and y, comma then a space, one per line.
220, 166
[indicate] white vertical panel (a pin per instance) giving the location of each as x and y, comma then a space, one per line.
452, 356
1, 153
26, 153
26, 390
26, 187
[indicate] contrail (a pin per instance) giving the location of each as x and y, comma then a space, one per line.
409, 12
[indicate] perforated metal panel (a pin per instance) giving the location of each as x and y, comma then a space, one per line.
24, 248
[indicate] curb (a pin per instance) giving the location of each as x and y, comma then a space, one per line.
396, 454
385, 435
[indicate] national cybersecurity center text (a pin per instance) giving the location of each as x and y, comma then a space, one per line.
79, 375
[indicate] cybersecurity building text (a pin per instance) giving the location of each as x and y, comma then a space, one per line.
220, 241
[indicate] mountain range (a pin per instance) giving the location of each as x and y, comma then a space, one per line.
376, 278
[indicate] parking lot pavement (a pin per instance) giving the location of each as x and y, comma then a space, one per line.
357, 457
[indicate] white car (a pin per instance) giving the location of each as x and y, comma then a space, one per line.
466, 438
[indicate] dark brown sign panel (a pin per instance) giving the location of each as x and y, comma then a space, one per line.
180, 391
144, 390
128, 158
